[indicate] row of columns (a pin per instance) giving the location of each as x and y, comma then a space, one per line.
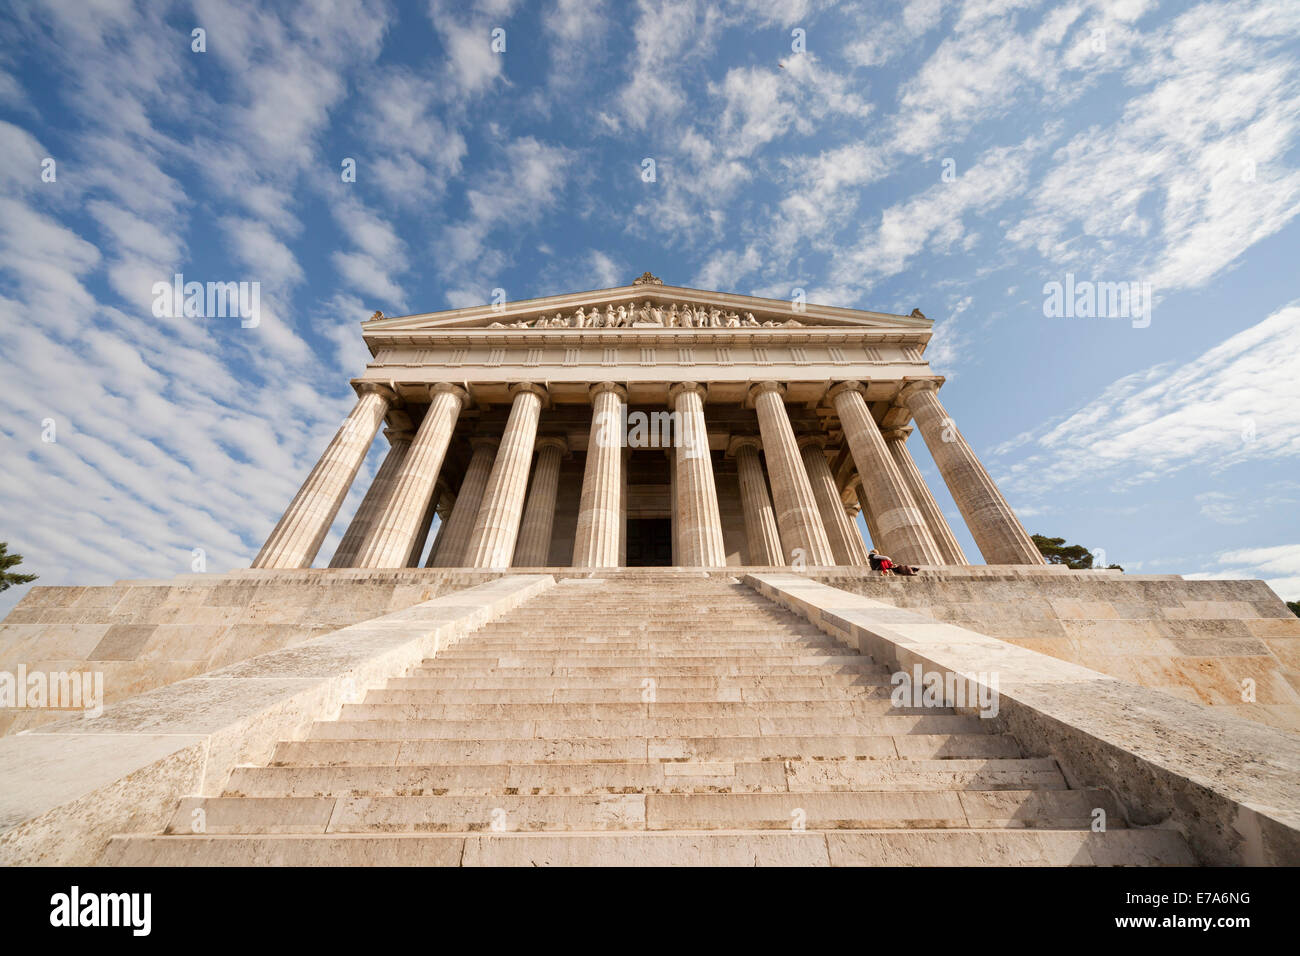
491, 525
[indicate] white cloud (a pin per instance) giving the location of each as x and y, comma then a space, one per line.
669, 35
414, 150
1279, 566
1194, 171
526, 183
1238, 402
379, 256
256, 247
933, 219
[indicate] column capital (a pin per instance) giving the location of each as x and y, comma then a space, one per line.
484, 441
394, 435
913, 385
897, 434
600, 387
540, 391
840, 388
739, 442
806, 440
554, 441
449, 389
758, 388
693, 387
375, 388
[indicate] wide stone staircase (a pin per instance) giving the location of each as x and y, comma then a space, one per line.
644, 720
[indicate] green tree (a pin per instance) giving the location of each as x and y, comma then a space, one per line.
9, 578
1075, 556
1295, 607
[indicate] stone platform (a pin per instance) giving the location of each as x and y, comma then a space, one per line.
1194, 639
485, 717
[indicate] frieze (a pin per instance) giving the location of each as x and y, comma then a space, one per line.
648, 315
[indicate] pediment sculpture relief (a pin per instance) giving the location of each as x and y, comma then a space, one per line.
647, 315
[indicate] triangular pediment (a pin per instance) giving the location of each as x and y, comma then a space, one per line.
647, 304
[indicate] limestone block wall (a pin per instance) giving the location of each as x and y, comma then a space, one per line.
1197, 640
142, 635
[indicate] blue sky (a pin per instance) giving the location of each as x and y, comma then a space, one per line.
1134, 141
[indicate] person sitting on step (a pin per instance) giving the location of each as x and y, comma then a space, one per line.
884, 564
879, 562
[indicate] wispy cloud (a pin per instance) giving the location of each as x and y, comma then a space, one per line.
1238, 402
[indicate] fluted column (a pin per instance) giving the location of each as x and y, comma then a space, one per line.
868, 518
846, 543
907, 539
697, 493
764, 542
446, 499
896, 440
797, 517
671, 455
422, 536
599, 537
997, 531
496, 528
534, 545
388, 542
622, 517
453, 540
297, 536
375, 500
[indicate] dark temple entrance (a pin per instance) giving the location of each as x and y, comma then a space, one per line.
649, 542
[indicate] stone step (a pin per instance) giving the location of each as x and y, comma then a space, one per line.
659, 777
342, 751
634, 683
550, 692
629, 645
641, 727
932, 809
604, 659
702, 624
824, 666
418, 705
909, 847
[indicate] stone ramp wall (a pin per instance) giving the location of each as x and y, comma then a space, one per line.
146, 634
1197, 640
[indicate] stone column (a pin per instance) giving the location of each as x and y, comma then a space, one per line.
534, 545
453, 539
797, 518
446, 501
997, 531
388, 542
496, 528
846, 543
763, 541
896, 440
868, 518
376, 499
671, 455
598, 538
298, 535
422, 536
622, 517
697, 493
906, 538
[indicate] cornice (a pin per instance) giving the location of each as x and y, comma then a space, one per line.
664, 294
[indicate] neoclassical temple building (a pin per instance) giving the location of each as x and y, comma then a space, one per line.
648, 425
605, 602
